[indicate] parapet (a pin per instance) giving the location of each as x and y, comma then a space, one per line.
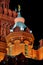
8, 12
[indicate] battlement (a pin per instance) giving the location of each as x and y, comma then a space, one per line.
7, 12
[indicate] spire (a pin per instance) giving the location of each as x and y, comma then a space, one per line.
19, 17
19, 9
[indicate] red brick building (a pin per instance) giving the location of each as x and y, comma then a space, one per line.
21, 40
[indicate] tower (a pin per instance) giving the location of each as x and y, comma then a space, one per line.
7, 17
19, 40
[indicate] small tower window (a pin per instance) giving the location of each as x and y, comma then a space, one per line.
26, 50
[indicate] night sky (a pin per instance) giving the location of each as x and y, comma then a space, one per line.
32, 13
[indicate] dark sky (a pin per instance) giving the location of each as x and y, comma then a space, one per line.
31, 11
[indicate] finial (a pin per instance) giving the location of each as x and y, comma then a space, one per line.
19, 8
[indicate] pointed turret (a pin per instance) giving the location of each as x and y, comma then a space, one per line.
19, 22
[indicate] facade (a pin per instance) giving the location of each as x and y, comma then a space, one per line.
15, 35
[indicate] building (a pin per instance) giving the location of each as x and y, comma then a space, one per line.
15, 35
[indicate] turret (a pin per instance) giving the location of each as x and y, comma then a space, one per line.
19, 22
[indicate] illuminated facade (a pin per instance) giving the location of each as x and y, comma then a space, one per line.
15, 36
